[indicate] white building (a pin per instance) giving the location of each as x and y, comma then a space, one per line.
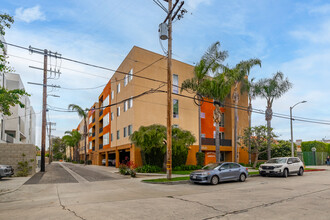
20, 126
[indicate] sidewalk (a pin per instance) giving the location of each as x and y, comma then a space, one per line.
10, 184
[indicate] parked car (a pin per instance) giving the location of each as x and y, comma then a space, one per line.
6, 170
219, 172
282, 166
111, 162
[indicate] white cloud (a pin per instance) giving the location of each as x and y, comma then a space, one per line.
318, 34
29, 14
323, 9
193, 4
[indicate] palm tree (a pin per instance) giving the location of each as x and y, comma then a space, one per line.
209, 62
238, 75
82, 114
72, 139
270, 89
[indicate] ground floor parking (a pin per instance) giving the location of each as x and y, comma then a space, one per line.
295, 197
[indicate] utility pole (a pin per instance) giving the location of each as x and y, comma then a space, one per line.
50, 140
46, 53
44, 108
167, 34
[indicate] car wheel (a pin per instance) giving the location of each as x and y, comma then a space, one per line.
242, 177
301, 171
285, 173
214, 180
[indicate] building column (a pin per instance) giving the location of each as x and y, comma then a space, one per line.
106, 159
117, 158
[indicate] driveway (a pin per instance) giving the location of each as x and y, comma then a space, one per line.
295, 197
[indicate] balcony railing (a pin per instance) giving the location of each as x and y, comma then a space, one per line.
101, 130
100, 146
101, 112
93, 135
93, 120
211, 141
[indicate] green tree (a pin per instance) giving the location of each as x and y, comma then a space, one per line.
282, 149
152, 141
271, 89
258, 141
239, 76
72, 139
208, 64
58, 147
8, 98
83, 114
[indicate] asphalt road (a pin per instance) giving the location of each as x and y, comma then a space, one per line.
71, 173
295, 197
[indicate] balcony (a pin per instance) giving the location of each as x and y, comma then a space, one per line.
211, 141
93, 135
93, 148
101, 112
100, 146
93, 120
101, 130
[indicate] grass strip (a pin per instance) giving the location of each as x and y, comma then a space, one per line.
166, 180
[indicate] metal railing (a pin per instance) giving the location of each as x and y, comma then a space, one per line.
101, 130
93, 120
101, 112
93, 135
211, 141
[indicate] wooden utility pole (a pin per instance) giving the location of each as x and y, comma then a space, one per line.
50, 148
44, 109
169, 94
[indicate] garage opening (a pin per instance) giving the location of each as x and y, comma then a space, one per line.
124, 156
111, 159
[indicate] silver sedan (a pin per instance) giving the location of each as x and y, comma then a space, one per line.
219, 172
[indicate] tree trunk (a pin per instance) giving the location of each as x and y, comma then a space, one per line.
217, 143
268, 139
256, 160
235, 132
199, 128
250, 124
85, 136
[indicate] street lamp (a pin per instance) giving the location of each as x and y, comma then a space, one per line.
292, 148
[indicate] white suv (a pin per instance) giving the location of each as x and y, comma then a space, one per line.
282, 166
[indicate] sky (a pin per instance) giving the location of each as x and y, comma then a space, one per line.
288, 36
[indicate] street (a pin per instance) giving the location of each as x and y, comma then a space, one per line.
116, 197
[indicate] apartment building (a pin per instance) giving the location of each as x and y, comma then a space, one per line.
128, 102
20, 126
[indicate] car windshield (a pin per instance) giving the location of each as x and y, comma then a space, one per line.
211, 166
277, 160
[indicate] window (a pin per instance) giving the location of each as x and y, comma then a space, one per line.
175, 84
90, 120
130, 77
202, 114
106, 139
234, 166
226, 166
203, 135
130, 103
175, 126
125, 131
106, 120
125, 106
130, 129
112, 116
112, 94
118, 111
90, 145
106, 101
125, 80
90, 132
118, 134
111, 137
222, 122
175, 108
118, 88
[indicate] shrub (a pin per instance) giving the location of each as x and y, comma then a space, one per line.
123, 169
187, 167
308, 145
24, 167
75, 162
200, 157
128, 169
149, 169
82, 161
89, 162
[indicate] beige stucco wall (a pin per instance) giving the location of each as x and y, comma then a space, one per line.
11, 154
152, 108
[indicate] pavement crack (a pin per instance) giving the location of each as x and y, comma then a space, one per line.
202, 204
65, 208
264, 205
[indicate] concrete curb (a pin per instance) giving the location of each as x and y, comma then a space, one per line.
169, 183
